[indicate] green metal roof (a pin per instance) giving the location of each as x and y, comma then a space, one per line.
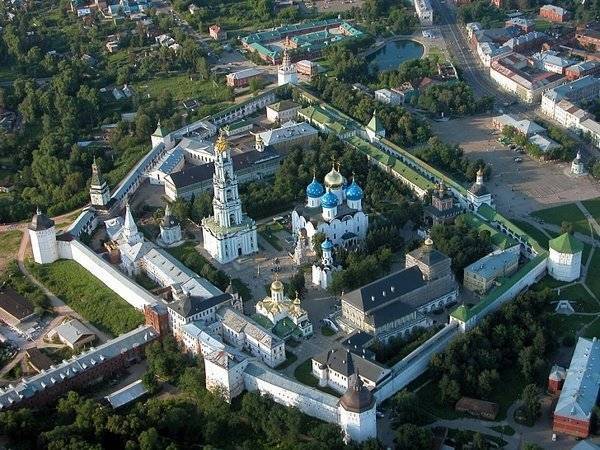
375, 124
566, 243
461, 313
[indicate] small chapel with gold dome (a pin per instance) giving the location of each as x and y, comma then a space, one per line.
334, 209
287, 316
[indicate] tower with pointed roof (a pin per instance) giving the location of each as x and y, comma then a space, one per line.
99, 192
357, 411
130, 233
478, 193
577, 165
286, 73
158, 136
229, 233
42, 235
375, 129
322, 271
564, 259
170, 230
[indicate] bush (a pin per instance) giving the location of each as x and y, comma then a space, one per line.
569, 340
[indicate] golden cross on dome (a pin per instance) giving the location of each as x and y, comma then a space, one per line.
221, 145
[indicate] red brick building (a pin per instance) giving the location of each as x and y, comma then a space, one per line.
243, 77
554, 13
582, 69
579, 394
556, 379
589, 39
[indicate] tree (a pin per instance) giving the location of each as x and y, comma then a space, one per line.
449, 390
566, 227
405, 408
412, 437
480, 443
531, 403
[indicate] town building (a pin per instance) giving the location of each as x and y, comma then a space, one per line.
14, 308
480, 276
554, 13
544, 143
88, 367
286, 73
424, 12
322, 271
243, 77
73, 334
283, 111
217, 33
564, 260
514, 73
287, 316
526, 42
334, 368
396, 304
37, 360
127, 394
588, 38
478, 194
389, 97
526, 127
582, 69
308, 69
289, 134
229, 233
333, 210
579, 394
245, 334
170, 230
551, 61
442, 208
556, 379
195, 179
526, 25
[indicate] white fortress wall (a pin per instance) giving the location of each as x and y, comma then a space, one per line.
288, 392
128, 289
413, 365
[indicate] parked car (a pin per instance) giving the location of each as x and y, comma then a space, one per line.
518, 160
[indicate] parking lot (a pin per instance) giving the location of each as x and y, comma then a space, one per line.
518, 188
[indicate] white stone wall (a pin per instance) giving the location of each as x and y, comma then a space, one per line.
359, 427
43, 244
564, 266
130, 291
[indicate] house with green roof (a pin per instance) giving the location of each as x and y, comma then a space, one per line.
564, 261
375, 128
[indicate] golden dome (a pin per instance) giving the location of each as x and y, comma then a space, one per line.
277, 286
334, 179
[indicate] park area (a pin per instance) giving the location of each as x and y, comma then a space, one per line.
88, 296
183, 87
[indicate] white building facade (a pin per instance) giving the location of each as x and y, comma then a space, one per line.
564, 260
286, 73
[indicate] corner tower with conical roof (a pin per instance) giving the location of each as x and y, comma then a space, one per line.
357, 411
99, 192
564, 259
42, 235
375, 129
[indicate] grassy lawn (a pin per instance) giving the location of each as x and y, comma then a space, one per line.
593, 206
462, 435
533, 231
87, 295
593, 331
593, 280
303, 374
569, 325
428, 394
9, 244
583, 300
565, 213
542, 25
548, 282
509, 391
268, 234
290, 358
183, 88
504, 429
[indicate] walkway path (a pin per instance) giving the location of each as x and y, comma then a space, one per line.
58, 305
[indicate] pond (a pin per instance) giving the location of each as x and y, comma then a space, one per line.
392, 54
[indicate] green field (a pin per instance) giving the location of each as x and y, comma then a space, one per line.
9, 244
583, 301
565, 213
88, 296
183, 88
593, 331
303, 374
569, 325
593, 278
593, 206
542, 25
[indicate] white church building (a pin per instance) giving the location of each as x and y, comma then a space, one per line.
478, 194
322, 271
229, 233
334, 210
286, 73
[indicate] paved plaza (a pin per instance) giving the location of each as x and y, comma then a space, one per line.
518, 188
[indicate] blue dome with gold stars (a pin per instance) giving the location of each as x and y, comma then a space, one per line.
329, 200
354, 192
315, 189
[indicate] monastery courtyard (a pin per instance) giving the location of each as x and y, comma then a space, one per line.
518, 188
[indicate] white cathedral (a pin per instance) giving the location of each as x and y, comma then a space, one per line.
229, 233
287, 73
334, 210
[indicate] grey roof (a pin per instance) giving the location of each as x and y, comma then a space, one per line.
493, 263
30, 387
204, 172
239, 323
580, 389
72, 331
315, 215
428, 256
346, 363
40, 222
390, 313
193, 305
288, 131
127, 394
379, 292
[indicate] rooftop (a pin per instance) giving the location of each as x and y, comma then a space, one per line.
490, 265
566, 243
126, 394
15, 304
72, 331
